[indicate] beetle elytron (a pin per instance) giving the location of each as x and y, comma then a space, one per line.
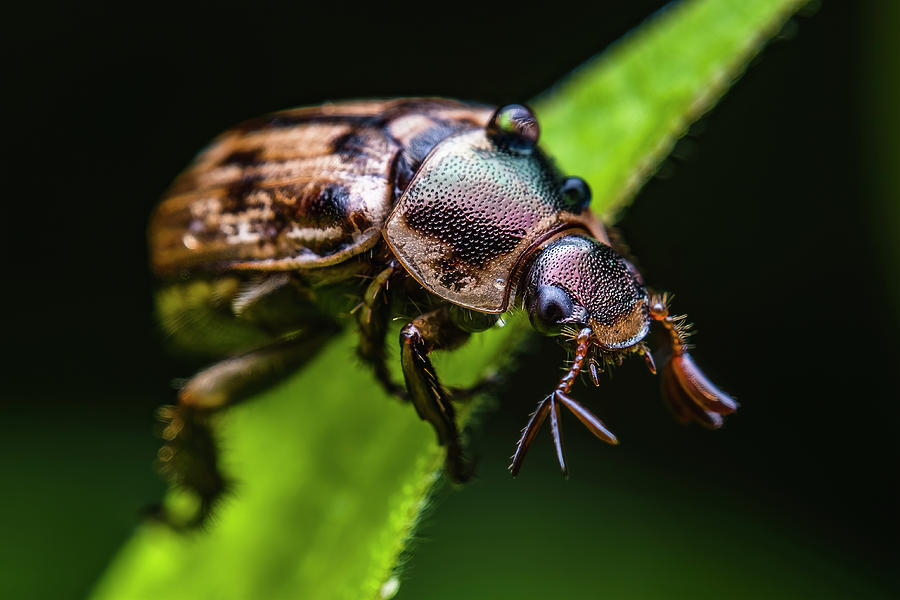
443, 213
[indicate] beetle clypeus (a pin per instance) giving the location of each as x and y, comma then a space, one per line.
380, 209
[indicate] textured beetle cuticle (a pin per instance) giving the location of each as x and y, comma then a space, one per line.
440, 214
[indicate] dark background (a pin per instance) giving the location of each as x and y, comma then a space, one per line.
768, 224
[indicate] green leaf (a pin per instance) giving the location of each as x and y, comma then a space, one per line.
333, 474
615, 119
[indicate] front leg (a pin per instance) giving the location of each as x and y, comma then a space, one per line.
428, 332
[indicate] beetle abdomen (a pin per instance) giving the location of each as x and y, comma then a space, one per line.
299, 189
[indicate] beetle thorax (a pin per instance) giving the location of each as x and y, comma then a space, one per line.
470, 214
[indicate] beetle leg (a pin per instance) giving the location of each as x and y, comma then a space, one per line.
189, 456
418, 338
372, 319
550, 405
690, 395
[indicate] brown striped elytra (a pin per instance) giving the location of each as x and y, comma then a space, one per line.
443, 213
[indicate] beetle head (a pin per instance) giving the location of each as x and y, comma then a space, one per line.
578, 281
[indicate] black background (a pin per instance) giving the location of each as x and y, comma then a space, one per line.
762, 225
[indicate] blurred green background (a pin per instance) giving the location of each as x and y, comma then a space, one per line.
775, 222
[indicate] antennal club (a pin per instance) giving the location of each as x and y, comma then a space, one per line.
688, 392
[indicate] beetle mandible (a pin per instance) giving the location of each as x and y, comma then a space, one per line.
442, 212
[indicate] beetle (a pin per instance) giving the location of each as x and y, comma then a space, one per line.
444, 213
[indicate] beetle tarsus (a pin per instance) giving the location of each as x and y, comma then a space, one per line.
189, 456
189, 461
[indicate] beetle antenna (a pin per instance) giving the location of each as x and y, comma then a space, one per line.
690, 395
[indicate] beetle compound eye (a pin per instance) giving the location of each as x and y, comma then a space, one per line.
576, 192
514, 126
549, 307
